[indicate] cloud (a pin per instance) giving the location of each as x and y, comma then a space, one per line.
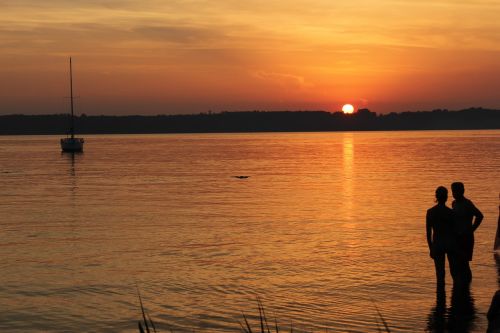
178, 34
283, 79
97, 36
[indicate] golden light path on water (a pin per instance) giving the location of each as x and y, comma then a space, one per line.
325, 225
348, 160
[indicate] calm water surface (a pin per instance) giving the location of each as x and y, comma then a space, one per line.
327, 224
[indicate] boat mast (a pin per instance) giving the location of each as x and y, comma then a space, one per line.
72, 125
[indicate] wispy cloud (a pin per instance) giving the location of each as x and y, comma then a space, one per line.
283, 79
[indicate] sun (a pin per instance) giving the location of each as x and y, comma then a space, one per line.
348, 109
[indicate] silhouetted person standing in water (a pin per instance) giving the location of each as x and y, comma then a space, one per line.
440, 226
494, 310
497, 237
467, 219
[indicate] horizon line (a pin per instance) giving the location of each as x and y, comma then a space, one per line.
210, 112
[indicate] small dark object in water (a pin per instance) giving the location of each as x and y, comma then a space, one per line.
241, 177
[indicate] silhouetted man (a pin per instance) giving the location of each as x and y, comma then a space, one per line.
440, 227
467, 219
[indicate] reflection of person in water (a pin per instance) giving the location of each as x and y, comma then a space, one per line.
459, 317
467, 219
462, 312
436, 321
439, 226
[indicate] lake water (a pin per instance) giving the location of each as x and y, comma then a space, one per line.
326, 226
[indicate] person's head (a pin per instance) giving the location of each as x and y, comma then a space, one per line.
441, 194
458, 190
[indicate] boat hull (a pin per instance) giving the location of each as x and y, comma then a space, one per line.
72, 145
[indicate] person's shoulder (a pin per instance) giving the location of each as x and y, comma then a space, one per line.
468, 203
439, 210
432, 209
430, 213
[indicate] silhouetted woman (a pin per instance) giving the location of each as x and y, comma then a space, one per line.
439, 225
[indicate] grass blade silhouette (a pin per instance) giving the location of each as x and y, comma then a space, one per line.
151, 322
261, 320
263, 317
143, 312
141, 330
382, 319
248, 325
243, 329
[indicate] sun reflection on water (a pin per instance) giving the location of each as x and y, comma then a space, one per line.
348, 170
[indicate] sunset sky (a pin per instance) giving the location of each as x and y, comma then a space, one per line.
152, 57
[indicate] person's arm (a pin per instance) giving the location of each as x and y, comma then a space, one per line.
428, 228
478, 217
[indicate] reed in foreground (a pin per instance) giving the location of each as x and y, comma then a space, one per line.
145, 318
147, 325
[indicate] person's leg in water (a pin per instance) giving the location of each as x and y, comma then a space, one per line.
454, 265
467, 272
460, 261
439, 263
469, 259
468, 247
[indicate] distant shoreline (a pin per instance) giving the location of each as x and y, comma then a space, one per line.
253, 122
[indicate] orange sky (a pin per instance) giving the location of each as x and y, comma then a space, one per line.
156, 56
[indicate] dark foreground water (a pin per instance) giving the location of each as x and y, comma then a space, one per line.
326, 225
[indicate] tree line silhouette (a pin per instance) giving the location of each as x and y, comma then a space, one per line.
254, 121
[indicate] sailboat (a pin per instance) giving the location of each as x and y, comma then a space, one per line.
71, 144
